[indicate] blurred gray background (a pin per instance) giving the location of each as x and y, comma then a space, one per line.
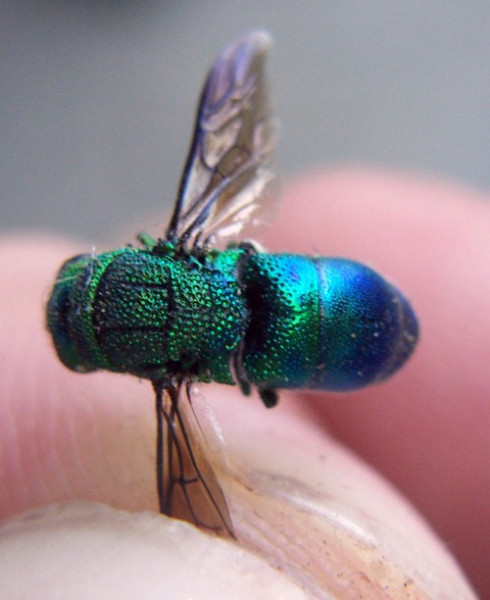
98, 98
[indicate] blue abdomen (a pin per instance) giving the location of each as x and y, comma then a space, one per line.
322, 323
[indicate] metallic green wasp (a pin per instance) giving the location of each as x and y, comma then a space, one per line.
179, 309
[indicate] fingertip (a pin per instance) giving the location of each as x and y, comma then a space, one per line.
81, 550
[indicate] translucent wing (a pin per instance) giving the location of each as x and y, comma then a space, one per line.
187, 486
228, 167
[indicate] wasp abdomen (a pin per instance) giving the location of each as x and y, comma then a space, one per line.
322, 323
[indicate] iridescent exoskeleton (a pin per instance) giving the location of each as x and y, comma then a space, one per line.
180, 309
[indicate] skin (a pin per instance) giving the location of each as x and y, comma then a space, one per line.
69, 437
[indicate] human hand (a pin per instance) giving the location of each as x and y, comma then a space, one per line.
296, 496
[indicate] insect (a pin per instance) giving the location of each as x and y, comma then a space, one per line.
179, 309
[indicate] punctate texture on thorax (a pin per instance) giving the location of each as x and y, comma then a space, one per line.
151, 315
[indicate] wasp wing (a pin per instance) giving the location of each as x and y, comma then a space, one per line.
187, 485
228, 168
